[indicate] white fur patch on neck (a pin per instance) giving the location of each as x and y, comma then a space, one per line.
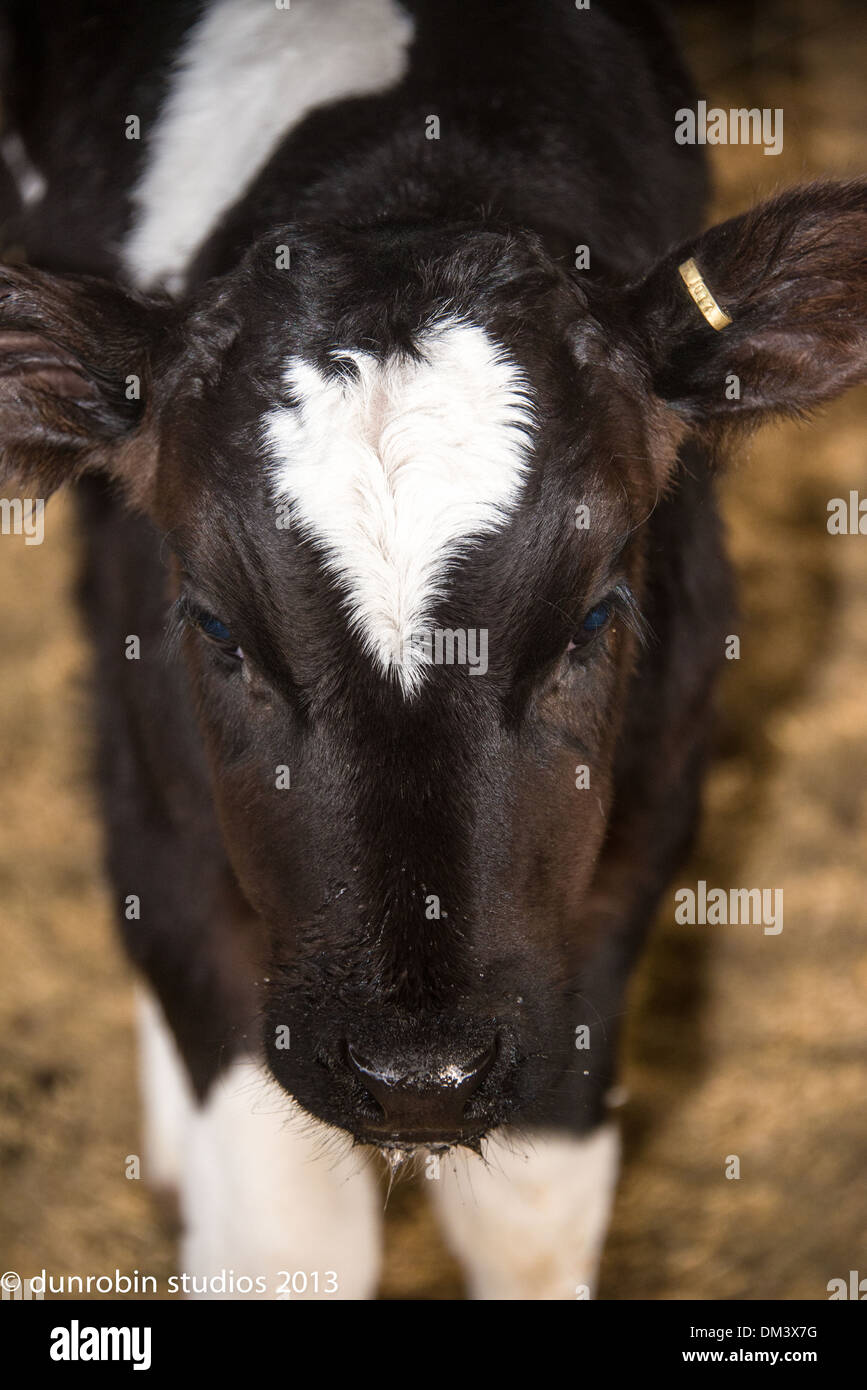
247, 73
396, 468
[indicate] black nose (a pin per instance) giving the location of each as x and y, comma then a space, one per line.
421, 1099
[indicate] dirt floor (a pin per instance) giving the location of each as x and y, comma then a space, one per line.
740, 1044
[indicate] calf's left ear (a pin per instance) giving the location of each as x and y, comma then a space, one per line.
76, 360
763, 314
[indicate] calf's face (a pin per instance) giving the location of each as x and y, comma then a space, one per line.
408, 574
404, 489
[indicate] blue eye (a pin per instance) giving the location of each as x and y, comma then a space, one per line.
593, 622
596, 619
212, 627
219, 634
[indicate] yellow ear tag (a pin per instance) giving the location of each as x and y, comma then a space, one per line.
692, 278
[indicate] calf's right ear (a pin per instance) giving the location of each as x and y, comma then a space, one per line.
77, 359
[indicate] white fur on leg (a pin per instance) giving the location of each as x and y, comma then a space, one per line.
530, 1224
167, 1097
270, 1193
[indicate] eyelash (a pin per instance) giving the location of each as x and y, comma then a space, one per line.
624, 607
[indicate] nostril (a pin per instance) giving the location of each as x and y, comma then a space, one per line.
454, 1072
422, 1091
385, 1073
465, 1076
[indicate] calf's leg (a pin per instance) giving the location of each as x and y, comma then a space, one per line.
266, 1192
529, 1221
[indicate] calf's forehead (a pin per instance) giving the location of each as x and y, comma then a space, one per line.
402, 489
394, 469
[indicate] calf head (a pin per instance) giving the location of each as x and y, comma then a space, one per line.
403, 474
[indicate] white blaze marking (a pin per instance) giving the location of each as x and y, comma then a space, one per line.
246, 75
396, 470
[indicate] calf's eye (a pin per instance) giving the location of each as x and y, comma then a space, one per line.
217, 632
594, 622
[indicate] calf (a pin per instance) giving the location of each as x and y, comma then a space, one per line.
427, 514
